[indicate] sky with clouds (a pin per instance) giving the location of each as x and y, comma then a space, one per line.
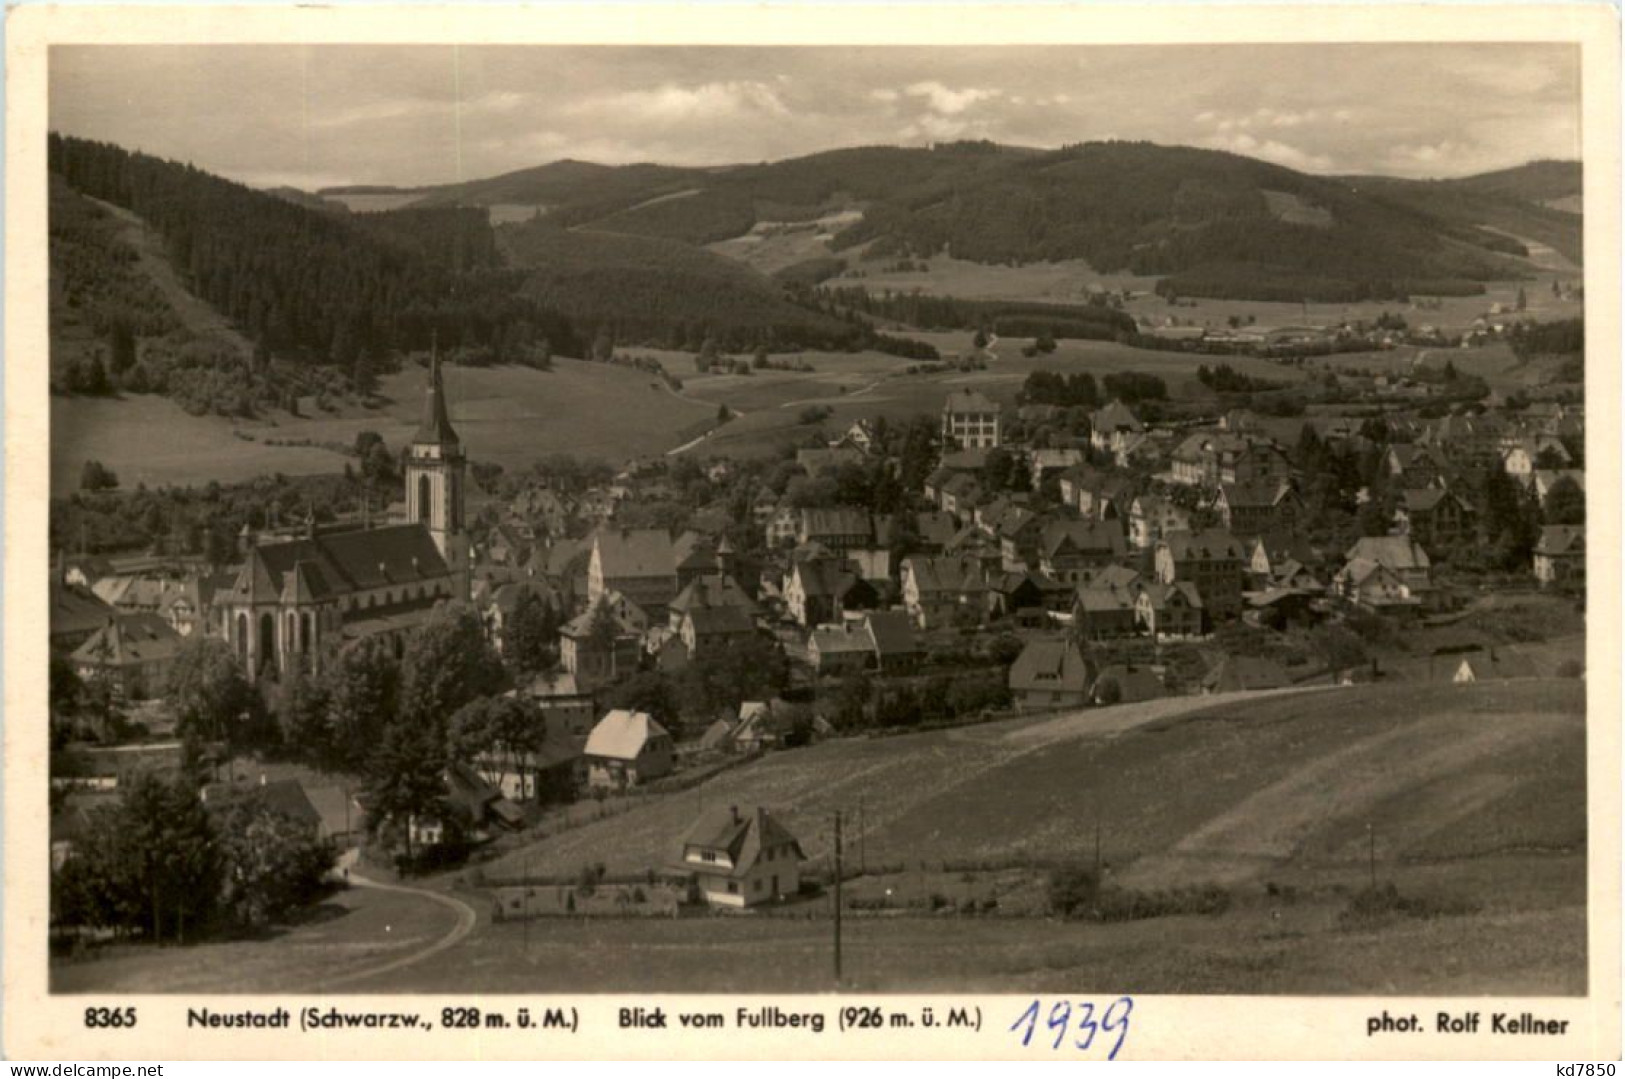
320, 115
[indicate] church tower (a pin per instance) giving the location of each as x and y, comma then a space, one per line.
435, 477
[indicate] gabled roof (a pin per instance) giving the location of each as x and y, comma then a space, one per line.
1115, 416
968, 401
712, 590
1091, 537
637, 552
622, 734
1561, 540
1391, 552
836, 521
893, 633
1056, 665
1133, 684
946, 574
1210, 544
1159, 595
131, 639
76, 610
842, 640
1092, 600
709, 621
740, 833
337, 563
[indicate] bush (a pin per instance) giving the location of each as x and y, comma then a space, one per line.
1072, 891
1377, 906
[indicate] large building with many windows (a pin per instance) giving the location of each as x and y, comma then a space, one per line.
295, 597
970, 420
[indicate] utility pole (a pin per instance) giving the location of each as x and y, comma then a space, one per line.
1371, 841
837, 897
863, 837
524, 901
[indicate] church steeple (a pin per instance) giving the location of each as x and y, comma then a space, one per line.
434, 477
435, 426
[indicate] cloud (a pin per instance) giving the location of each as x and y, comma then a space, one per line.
1270, 150
707, 101
883, 94
947, 101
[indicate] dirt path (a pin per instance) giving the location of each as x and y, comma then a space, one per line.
466, 919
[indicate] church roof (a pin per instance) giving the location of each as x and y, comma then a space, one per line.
435, 427
325, 565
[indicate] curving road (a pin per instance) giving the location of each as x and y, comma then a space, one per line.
466, 919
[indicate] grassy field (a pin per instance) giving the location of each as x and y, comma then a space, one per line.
355, 927
1071, 281
1216, 785
510, 415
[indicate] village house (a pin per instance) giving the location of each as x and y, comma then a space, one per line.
132, 652
711, 631
1539, 452
1101, 496
821, 590
625, 749
1125, 684
740, 858
1051, 674
1433, 516
1372, 586
566, 707
843, 649
1044, 463
1105, 613
75, 613
1151, 518
1560, 555
1165, 611
640, 564
944, 591
1073, 552
1212, 560
1400, 555
1030, 593
1250, 509
599, 647
1110, 426
970, 420
841, 529
1542, 480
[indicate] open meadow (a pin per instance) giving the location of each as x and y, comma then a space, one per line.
510, 415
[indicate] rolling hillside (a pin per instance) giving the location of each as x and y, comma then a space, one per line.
1234, 789
645, 289
1216, 224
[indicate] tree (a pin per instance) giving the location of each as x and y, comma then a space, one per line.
302, 717
448, 663
1523, 300
1565, 503
404, 782
212, 699
272, 865
95, 476
361, 686
980, 340
647, 691
530, 635
504, 729
148, 863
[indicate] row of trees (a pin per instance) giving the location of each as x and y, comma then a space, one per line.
161, 864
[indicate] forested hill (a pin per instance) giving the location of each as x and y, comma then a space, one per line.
317, 289
1213, 223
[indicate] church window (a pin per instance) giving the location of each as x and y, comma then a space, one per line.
425, 497
304, 633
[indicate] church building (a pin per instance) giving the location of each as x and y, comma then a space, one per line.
295, 597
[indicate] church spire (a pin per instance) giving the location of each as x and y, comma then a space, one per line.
435, 426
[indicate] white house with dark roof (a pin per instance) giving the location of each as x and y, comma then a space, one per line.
626, 748
740, 857
970, 419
